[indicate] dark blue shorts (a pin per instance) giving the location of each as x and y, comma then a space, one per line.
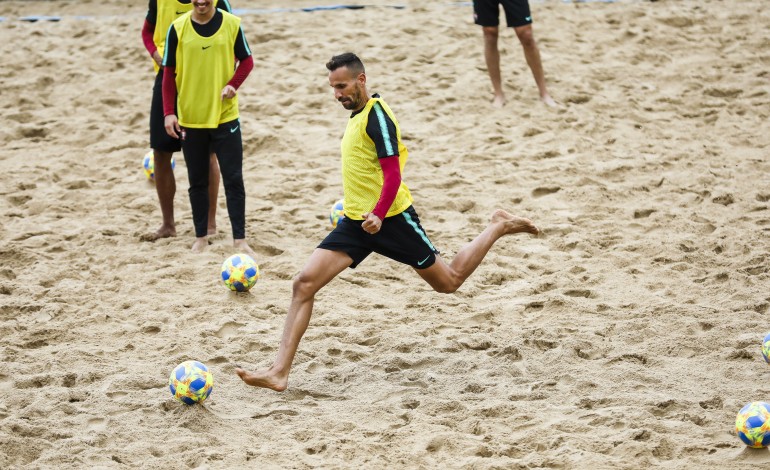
487, 12
401, 238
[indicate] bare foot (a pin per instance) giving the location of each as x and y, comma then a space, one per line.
550, 102
165, 231
242, 247
200, 244
264, 379
498, 102
211, 230
513, 224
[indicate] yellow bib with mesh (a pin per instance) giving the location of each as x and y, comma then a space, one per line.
168, 11
362, 176
203, 68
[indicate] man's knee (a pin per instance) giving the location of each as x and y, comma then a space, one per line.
446, 289
447, 285
526, 38
303, 286
490, 32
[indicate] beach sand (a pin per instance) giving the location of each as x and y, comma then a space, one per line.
626, 336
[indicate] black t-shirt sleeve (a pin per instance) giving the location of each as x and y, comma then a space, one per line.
152, 12
169, 53
382, 131
224, 5
241, 46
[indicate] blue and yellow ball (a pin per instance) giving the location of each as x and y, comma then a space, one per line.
753, 424
766, 348
191, 382
148, 165
240, 272
337, 212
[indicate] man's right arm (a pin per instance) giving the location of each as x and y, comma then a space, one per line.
169, 75
148, 31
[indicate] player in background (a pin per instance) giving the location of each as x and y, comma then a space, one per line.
160, 15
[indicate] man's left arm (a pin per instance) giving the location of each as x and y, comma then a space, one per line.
245, 66
382, 131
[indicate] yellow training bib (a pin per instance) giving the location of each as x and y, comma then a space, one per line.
203, 68
362, 176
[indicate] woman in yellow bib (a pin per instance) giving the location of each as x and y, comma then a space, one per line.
199, 58
379, 217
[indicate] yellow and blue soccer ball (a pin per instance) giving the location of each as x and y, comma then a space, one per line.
766, 348
191, 382
240, 272
753, 424
337, 212
148, 164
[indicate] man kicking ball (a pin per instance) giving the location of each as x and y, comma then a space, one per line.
379, 217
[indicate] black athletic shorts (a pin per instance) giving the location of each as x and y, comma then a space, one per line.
487, 12
159, 138
401, 238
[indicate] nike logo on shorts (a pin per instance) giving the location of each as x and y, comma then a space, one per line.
232, 131
420, 263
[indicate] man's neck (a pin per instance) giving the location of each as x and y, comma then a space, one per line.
205, 18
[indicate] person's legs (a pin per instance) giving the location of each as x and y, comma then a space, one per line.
321, 268
197, 158
228, 147
492, 58
165, 185
213, 194
163, 147
532, 54
447, 278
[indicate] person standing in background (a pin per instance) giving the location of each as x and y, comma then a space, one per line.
160, 15
486, 13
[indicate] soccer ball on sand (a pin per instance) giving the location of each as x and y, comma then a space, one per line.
753, 424
240, 272
191, 382
148, 165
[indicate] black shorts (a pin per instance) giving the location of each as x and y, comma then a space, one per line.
487, 12
159, 138
401, 238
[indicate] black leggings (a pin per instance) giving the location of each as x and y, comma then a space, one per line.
226, 142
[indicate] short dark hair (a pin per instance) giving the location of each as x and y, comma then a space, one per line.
349, 60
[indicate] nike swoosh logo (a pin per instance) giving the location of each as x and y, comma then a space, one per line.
232, 131
420, 263
205, 47
529, 18
180, 13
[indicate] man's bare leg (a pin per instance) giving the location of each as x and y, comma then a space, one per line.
447, 278
321, 268
165, 185
492, 57
532, 54
213, 193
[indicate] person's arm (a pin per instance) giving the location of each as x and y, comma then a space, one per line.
169, 84
148, 30
391, 172
245, 66
381, 129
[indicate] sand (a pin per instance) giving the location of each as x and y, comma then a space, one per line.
626, 336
